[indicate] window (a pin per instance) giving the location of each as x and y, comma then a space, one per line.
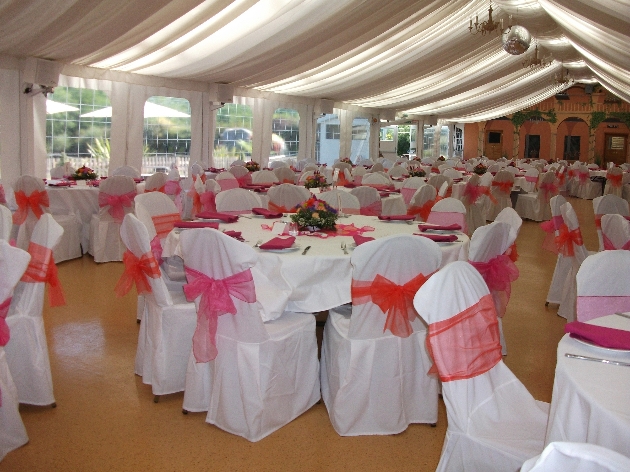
285, 138
360, 147
431, 133
327, 139
532, 146
387, 134
458, 141
233, 134
572, 148
359, 132
494, 137
333, 132
166, 135
81, 134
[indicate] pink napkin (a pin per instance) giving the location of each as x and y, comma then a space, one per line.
397, 217
278, 243
605, 337
266, 213
196, 224
233, 234
350, 185
453, 227
137, 180
358, 239
213, 215
439, 238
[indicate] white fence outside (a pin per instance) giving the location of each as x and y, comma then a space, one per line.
150, 164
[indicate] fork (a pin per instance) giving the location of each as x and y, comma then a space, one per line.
258, 243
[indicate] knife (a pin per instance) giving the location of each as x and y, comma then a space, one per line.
305, 250
597, 359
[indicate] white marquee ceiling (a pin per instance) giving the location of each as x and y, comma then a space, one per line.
416, 56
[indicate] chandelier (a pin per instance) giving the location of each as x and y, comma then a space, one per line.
534, 61
488, 26
564, 79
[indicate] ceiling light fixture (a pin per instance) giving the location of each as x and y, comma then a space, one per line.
488, 26
564, 79
534, 61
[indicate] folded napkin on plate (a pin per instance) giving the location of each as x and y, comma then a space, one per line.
350, 185
358, 239
453, 227
196, 224
439, 238
605, 337
213, 215
397, 217
59, 183
138, 180
266, 213
278, 243
233, 234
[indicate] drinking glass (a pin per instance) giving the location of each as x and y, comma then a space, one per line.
293, 229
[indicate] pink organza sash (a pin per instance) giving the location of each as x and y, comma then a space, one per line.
208, 201
614, 179
609, 246
584, 177
245, 179
407, 193
498, 273
227, 184
156, 248
34, 202
5, 334
589, 308
447, 218
116, 203
472, 193
467, 344
550, 227
137, 270
549, 189
172, 187
165, 223
216, 300
373, 209
396, 301
42, 268
3, 198
531, 179
598, 221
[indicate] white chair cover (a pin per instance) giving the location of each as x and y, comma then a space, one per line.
606, 205
472, 198
265, 374
377, 180
422, 202
614, 182
155, 182
369, 200
509, 216
584, 187
277, 164
241, 173
264, 177
285, 175
105, 242
451, 173
379, 167
357, 174
165, 337
449, 211
195, 170
349, 203
437, 180
409, 188
304, 175
615, 232
6, 223
494, 424
27, 353
501, 189
374, 381
285, 197
535, 206
128, 171
563, 264
577, 457
397, 171
227, 181
238, 162
602, 285
531, 180
237, 201
13, 263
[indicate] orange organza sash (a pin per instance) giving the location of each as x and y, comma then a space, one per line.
566, 239
615, 179
512, 253
35, 201
423, 210
42, 268
467, 344
5, 333
396, 301
196, 200
165, 223
136, 271
504, 187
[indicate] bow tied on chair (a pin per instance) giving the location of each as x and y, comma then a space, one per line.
566, 239
424, 210
137, 270
216, 300
498, 273
5, 334
614, 179
116, 203
503, 187
472, 193
584, 177
42, 268
396, 301
549, 189
208, 201
34, 202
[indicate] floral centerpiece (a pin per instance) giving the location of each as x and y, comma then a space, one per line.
480, 169
441, 159
417, 172
314, 215
316, 180
346, 160
252, 166
84, 173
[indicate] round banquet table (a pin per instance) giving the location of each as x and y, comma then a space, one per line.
591, 400
321, 279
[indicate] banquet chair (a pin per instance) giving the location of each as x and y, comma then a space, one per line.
237, 201
397, 171
155, 182
535, 206
375, 349
501, 189
115, 199
284, 198
165, 336
487, 254
615, 232
377, 180
394, 205
563, 264
409, 188
474, 203
422, 202
494, 424
27, 353
227, 181
241, 173
277, 164
614, 182
252, 377
196, 170
606, 205
285, 175
369, 200
128, 171
585, 187
531, 180
58, 172
13, 263
357, 174
508, 215
577, 457
173, 188
305, 175
448, 211
6, 223
452, 174
186, 195
570, 244
32, 201
378, 167
437, 180
238, 162
341, 200
264, 177
602, 285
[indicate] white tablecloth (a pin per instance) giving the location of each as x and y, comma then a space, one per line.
591, 400
321, 279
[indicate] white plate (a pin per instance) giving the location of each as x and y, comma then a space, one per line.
409, 222
595, 346
295, 247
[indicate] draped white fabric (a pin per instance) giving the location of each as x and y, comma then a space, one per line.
414, 56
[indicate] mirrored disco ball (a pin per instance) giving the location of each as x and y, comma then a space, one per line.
516, 40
